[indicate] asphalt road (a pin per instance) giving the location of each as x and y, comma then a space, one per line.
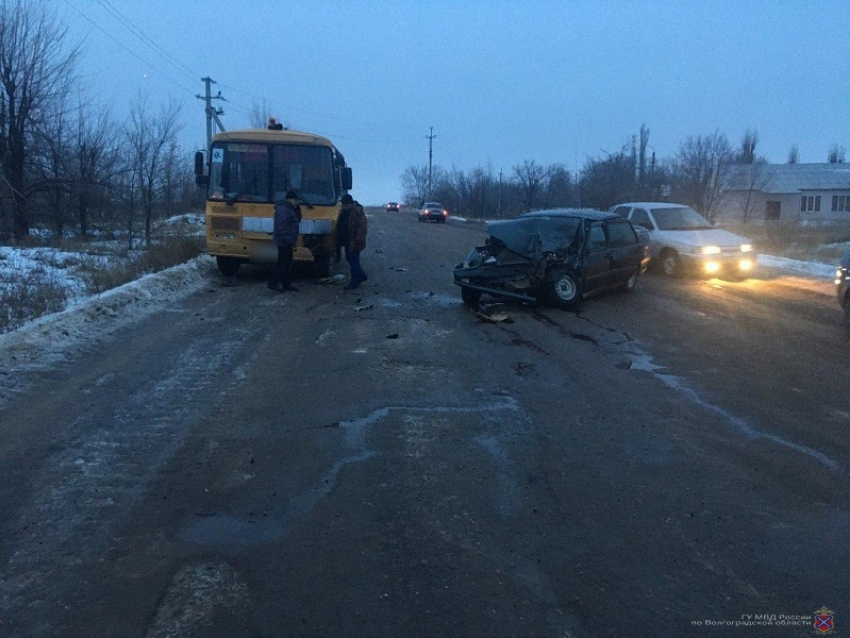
379, 462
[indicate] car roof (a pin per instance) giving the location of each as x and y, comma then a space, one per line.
652, 204
584, 213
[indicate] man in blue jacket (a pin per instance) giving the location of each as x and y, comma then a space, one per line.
287, 215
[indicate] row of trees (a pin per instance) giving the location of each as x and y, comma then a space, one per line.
702, 171
64, 162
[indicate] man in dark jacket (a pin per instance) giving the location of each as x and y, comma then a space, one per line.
287, 214
351, 235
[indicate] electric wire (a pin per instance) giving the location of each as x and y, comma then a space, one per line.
239, 106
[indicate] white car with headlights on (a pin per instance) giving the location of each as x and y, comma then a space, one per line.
680, 240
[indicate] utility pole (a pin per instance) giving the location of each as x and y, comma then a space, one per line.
430, 156
499, 213
212, 113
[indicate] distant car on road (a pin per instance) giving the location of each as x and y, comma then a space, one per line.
433, 212
683, 240
393, 207
558, 256
842, 287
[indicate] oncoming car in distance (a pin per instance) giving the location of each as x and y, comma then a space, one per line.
558, 256
393, 207
433, 212
683, 240
842, 288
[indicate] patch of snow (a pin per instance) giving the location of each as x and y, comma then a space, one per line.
814, 269
42, 343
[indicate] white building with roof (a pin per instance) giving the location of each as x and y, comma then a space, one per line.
788, 192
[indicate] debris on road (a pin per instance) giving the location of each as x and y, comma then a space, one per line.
491, 315
361, 308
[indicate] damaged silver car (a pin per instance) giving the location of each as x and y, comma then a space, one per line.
555, 256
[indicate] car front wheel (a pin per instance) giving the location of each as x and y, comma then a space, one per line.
564, 292
671, 265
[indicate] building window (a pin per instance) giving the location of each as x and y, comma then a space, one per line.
809, 203
840, 203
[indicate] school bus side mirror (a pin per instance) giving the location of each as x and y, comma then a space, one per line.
200, 178
346, 178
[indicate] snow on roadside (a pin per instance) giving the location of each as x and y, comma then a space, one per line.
813, 269
42, 343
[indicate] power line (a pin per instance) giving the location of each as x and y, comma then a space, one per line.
128, 50
151, 44
179, 66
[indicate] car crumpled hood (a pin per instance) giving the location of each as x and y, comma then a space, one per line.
531, 235
697, 238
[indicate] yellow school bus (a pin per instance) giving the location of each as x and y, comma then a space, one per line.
247, 171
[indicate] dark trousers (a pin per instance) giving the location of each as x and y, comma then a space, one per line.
358, 275
283, 267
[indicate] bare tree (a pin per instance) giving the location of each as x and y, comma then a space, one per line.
644, 143
836, 154
35, 71
530, 177
747, 154
750, 179
605, 182
701, 172
151, 139
414, 185
50, 168
794, 155
259, 114
559, 190
96, 157
482, 192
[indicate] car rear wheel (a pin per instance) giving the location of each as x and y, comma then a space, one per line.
470, 296
564, 292
671, 265
629, 285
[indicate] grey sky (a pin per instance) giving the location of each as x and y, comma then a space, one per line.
500, 81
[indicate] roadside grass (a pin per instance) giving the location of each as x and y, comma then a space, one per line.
44, 280
824, 243
37, 293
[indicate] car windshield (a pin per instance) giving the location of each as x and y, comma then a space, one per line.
532, 235
433, 205
684, 218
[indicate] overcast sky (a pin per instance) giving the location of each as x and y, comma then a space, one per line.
500, 81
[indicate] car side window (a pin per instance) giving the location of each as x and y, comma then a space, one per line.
596, 238
641, 218
620, 234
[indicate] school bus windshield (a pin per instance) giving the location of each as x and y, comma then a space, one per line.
248, 172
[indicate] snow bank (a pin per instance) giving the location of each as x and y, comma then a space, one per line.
48, 340
813, 269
